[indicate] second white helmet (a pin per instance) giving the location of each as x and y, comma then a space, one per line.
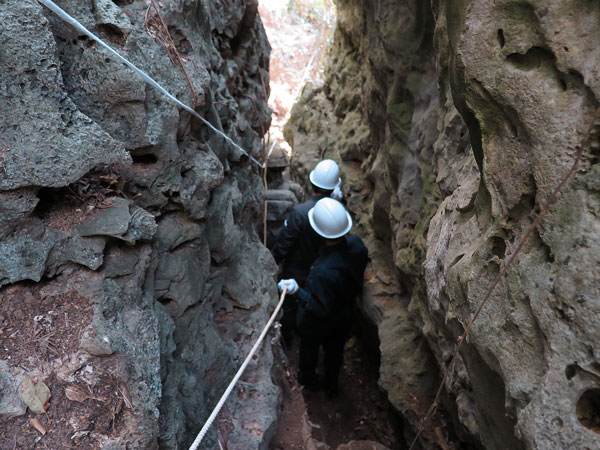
326, 175
329, 218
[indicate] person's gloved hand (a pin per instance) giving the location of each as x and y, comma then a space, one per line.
337, 194
292, 286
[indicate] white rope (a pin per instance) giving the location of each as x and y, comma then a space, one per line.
239, 373
67, 18
271, 149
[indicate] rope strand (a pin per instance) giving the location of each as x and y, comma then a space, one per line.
70, 20
237, 376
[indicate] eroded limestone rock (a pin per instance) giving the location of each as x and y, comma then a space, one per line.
111, 194
11, 403
47, 140
453, 123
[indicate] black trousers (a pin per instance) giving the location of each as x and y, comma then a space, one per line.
288, 318
333, 347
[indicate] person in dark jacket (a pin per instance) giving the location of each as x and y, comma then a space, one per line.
297, 244
325, 303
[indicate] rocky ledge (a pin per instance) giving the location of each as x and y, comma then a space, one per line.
133, 277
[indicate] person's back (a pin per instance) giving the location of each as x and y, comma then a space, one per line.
334, 280
297, 244
325, 302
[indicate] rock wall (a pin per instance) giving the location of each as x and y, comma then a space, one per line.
453, 122
130, 258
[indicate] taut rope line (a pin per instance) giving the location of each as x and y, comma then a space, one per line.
70, 20
237, 376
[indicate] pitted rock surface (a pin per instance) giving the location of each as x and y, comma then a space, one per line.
453, 123
109, 196
48, 141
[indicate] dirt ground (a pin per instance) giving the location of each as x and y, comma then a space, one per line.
359, 412
40, 330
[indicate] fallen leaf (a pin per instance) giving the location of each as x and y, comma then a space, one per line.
38, 425
123, 391
76, 394
79, 434
35, 395
222, 442
119, 407
441, 439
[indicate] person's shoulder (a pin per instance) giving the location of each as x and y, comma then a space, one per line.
303, 208
355, 241
356, 244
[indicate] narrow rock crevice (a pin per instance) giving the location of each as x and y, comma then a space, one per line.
132, 269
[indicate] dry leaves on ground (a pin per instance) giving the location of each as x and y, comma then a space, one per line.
37, 425
35, 395
77, 394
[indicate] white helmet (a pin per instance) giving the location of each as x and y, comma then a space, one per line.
329, 218
326, 175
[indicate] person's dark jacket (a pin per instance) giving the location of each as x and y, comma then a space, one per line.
334, 280
297, 244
